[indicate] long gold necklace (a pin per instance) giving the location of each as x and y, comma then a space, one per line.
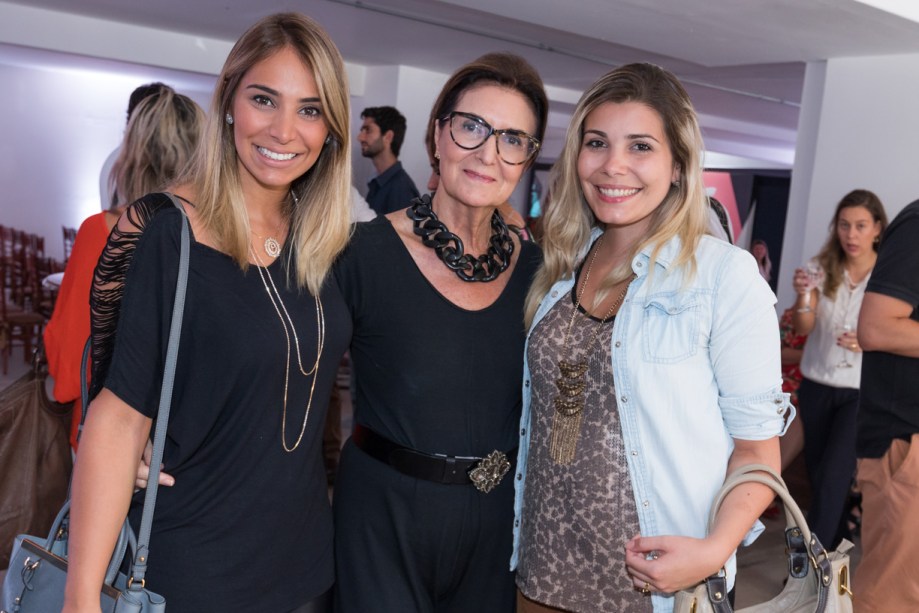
279, 307
569, 403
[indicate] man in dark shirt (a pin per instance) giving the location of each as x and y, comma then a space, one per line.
888, 424
380, 138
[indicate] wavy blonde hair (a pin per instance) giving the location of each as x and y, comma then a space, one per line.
568, 220
318, 207
158, 144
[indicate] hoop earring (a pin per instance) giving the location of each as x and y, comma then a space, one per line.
229, 119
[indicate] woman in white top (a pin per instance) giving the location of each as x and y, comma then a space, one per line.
830, 291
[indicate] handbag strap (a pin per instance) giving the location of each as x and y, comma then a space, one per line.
139, 566
795, 524
84, 384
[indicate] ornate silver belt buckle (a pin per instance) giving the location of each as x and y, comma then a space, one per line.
489, 471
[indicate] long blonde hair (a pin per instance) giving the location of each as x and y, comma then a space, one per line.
832, 256
568, 220
158, 145
318, 207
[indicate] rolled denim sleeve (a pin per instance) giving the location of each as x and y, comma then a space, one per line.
746, 352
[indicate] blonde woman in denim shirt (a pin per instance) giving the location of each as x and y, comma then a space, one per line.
652, 366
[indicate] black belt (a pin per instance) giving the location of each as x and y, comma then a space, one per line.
484, 473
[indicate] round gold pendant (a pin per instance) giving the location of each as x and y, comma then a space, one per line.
272, 247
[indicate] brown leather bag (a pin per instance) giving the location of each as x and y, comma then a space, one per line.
35, 461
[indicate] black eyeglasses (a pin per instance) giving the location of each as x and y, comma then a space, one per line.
470, 131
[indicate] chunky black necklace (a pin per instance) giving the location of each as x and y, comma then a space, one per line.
449, 247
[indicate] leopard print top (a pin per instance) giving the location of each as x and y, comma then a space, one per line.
577, 518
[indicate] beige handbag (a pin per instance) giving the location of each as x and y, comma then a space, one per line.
818, 581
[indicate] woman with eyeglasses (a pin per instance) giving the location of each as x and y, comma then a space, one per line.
424, 496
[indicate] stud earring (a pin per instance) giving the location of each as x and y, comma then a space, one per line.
229, 119
437, 155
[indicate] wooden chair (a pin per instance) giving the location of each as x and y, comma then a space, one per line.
17, 325
22, 297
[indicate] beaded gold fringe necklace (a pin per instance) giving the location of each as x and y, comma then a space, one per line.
569, 403
279, 307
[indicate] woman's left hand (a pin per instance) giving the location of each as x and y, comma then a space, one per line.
670, 563
849, 341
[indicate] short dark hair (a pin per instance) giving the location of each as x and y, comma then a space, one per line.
502, 69
143, 92
388, 118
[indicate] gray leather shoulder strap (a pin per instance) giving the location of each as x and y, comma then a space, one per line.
162, 418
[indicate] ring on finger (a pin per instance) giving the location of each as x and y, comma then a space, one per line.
646, 588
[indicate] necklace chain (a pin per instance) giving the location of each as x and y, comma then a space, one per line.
278, 303
572, 382
272, 245
449, 247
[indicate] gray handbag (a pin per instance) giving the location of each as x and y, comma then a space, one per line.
818, 580
37, 573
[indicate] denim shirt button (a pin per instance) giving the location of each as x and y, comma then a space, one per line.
516, 523
523, 431
780, 410
618, 343
638, 264
624, 398
646, 504
519, 477
554, 294
526, 383
634, 453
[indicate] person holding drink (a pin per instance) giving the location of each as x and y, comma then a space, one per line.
830, 289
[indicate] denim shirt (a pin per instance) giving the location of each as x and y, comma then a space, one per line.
695, 365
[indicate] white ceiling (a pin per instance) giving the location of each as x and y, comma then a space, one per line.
743, 61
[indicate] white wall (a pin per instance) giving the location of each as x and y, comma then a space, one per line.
862, 131
58, 125
418, 89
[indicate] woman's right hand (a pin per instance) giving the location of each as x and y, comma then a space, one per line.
802, 282
143, 470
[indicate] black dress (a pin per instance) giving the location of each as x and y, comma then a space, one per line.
439, 379
247, 526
